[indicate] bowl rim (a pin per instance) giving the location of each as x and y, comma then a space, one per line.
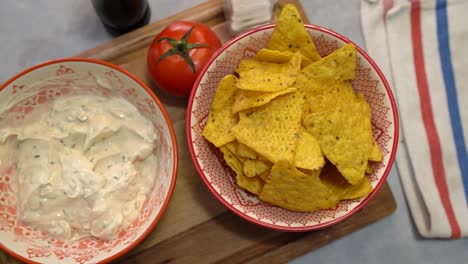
289, 228
166, 118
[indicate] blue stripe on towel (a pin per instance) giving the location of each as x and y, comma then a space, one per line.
451, 90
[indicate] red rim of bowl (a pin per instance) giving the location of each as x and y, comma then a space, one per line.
173, 139
288, 228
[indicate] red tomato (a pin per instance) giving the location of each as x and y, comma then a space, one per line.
179, 53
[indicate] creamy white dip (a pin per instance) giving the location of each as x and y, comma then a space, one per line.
83, 165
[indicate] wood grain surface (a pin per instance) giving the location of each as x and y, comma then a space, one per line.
197, 228
226, 238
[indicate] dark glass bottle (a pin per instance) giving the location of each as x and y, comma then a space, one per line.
121, 16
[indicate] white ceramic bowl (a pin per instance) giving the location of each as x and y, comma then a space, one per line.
219, 178
33, 246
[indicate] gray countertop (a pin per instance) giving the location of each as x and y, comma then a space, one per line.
34, 31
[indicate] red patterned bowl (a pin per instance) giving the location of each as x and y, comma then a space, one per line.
33, 246
219, 178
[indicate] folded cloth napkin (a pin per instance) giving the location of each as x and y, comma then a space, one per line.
422, 48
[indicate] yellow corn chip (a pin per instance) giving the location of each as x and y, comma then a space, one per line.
345, 136
253, 185
253, 167
276, 56
340, 65
245, 99
247, 65
246, 152
289, 188
271, 129
333, 179
338, 94
233, 146
264, 175
309, 172
369, 169
310, 87
267, 78
359, 190
376, 154
232, 161
290, 34
220, 119
308, 154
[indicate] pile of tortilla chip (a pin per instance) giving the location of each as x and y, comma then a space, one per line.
290, 125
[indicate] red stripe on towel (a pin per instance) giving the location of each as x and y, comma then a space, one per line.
428, 118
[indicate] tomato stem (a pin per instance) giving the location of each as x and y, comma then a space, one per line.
181, 48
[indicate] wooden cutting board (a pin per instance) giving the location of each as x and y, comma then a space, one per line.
197, 228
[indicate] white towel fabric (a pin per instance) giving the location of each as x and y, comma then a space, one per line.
422, 48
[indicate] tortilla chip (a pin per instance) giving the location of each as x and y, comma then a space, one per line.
246, 152
291, 35
269, 77
249, 99
337, 94
333, 179
233, 146
376, 154
308, 154
220, 119
310, 87
247, 65
265, 175
232, 161
271, 129
253, 185
268, 55
253, 167
289, 188
340, 65
345, 136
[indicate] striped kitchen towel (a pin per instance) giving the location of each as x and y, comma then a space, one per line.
422, 47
